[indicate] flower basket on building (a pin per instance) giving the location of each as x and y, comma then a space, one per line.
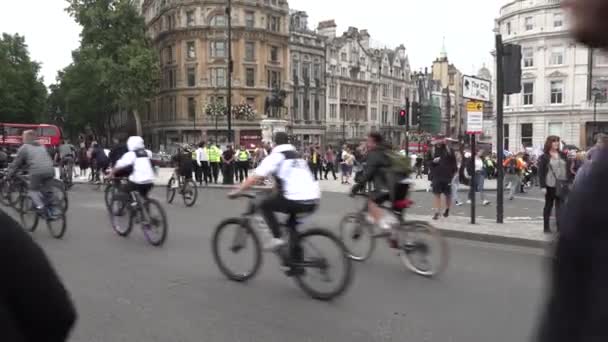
215, 109
244, 111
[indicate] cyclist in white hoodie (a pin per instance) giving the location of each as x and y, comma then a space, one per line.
138, 164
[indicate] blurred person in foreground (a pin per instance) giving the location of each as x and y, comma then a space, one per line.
577, 306
34, 304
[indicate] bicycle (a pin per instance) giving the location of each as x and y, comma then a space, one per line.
403, 236
66, 173
112, 188
187, 188
127, 209
296, 255
4, 187
52, 213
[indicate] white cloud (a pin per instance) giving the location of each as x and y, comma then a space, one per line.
419, 24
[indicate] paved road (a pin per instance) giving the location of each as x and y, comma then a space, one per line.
126, 290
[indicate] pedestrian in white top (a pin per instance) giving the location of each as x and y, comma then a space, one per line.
202, 159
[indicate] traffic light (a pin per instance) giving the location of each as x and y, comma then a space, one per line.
511, 68
402, 117
415, 113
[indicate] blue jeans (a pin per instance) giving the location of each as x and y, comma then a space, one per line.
480, 177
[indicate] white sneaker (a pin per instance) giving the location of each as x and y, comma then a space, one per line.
458, 204
486, 202
273, 243
468, 201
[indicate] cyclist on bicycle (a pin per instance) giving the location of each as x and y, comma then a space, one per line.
297, 192
138, 164
33, 158
183, 163
65, 155
378, 164
102, 162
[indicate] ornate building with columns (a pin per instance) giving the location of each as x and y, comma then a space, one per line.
191, 39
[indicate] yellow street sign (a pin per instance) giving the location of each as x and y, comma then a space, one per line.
474, 106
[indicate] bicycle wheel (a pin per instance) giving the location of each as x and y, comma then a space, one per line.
121, 216
56, 224
243, 242
417, 241
108, 194
357, 236
171, 190
156, 230
317, 264
190, 193
4, 191
14, 194
27, 212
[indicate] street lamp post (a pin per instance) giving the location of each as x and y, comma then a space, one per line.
229, 83
597, 95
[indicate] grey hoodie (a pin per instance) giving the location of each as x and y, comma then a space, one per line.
33, 158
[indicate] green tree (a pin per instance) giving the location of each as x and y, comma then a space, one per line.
115, 45
22, 91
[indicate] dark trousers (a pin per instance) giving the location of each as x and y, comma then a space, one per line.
228, 173
330, 167
279, 204
550, 201
198, 172
206, 172
243, 170
314, 168
215, 170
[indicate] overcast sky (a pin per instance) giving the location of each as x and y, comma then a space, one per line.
418, 24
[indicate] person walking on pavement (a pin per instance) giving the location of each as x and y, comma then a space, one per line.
215, 156
553, 171
202, 160
514, 167
228, 165
314, 162
242, 163
443, 169
480, 176
330, 162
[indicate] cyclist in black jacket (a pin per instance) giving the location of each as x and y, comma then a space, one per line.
34, 304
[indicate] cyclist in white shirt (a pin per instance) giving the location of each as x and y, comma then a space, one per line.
137, 163
297, 191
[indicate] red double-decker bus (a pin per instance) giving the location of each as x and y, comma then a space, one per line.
11, 134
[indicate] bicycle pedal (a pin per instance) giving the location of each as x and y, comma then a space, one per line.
295, 271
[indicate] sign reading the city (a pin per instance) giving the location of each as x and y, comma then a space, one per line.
474, 117
474, 88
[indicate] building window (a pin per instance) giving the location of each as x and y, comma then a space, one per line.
558, 20
191, 108
317, 106
384, 114
218, 49
600, 58
306, 71
190, 18
555, 128
333, 91
250, 51
218, 77
528, 93
274, 54
396, 92
332, 111
250, 77
249, 19
344, 71
374, 114
218, 20
306, 108
528, 56
507, 100
274, 24
191, 76
505, 130
529, 21
385, 90
316, 72
557, 92
169, 54
557, 56
191, 50
509, 28
296, 106
526, 134
343, 56
274, 79
374, 93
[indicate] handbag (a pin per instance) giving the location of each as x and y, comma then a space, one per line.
562, 188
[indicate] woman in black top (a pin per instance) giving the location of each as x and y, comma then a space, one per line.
553, 168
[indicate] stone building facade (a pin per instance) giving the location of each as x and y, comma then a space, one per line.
307, 105
191, 39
